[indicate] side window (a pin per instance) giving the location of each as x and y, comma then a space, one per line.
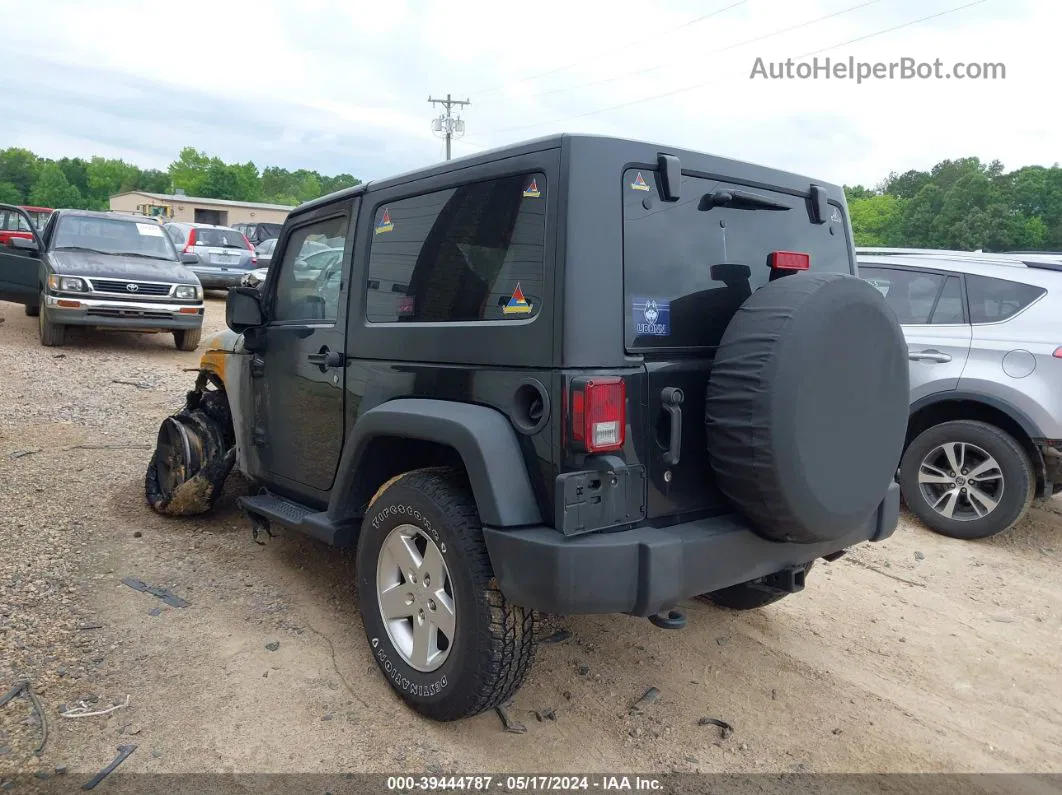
303, 293
949, 305
912, 295
993, 300
475, 252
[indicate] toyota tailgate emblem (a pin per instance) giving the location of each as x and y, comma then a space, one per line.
132, 287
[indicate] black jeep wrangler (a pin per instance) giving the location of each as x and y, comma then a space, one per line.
575, 375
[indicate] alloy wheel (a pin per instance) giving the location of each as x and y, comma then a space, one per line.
961, 481
415, 594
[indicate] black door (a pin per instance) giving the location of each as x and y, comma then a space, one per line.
19, 267
300, 385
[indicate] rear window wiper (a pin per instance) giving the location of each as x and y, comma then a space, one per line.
739, 200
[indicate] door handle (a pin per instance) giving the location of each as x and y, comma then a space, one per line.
929, 356
671, 400
325, 358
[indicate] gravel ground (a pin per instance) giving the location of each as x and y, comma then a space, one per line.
919, 654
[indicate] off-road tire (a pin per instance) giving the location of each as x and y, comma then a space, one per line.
32, 311
52, 335
1019, 480
187, 339
745, 596
494, 640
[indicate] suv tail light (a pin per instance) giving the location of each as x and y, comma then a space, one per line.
250, 245
191, 242
789, 261
1058, 353
599, 414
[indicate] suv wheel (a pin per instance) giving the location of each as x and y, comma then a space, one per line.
32, 311
445, 637
51, 334
967, 479
746, 595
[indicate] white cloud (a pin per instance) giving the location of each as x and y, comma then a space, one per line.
342, 86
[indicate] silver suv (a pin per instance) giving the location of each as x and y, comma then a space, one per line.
985, 349
219, 255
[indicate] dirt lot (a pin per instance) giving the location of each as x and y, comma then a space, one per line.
919, 654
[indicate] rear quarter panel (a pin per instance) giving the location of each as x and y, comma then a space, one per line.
1013, 361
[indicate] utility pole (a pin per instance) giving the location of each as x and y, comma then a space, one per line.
450, 126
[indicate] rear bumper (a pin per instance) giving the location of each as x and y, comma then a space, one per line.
646, 570
104, 313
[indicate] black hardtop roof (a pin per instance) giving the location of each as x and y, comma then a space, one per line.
627, 152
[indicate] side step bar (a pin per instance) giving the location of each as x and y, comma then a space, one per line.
269, 508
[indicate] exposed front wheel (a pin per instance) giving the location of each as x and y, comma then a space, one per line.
967, 479
194, 453
445, 637
32, 311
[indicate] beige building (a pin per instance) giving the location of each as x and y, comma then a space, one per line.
178, 207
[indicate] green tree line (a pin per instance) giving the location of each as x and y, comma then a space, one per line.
963, 205
73, 182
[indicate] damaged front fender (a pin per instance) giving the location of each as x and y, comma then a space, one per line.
194, 453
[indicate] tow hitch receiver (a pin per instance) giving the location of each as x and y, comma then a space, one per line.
669, 619
788, 580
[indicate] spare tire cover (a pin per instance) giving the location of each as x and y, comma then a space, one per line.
807, 406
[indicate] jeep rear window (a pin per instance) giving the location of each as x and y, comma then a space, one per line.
221, 238
470, 253
688, 265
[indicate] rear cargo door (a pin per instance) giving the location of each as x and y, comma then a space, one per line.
688, 266
222, 248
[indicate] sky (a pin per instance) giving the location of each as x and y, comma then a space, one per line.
342, 85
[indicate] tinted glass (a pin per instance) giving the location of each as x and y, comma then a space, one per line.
113, 236
464, 254
688, 265
912, 295
309, 295
219, 238
993, 300
949, 306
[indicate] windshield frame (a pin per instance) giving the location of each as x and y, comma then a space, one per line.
99, 243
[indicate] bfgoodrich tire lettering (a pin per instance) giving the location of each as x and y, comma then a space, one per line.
493, 646
1018, 482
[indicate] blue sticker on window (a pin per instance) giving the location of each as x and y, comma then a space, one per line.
652, 317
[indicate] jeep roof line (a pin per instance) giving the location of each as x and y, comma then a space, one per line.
985, 434
573, 375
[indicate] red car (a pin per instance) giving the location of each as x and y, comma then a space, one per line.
14, 225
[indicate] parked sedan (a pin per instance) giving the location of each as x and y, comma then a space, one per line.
107, 270
218, 255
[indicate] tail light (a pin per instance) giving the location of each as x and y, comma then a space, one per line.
191, 242
1058, 353
250, 246
599, 414
789, 261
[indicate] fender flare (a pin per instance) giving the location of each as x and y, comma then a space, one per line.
483, 437
1007, 408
